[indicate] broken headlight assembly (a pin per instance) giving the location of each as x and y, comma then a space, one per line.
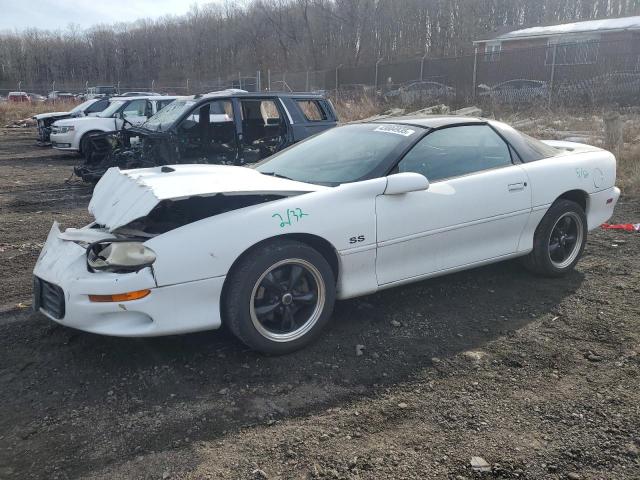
124, 256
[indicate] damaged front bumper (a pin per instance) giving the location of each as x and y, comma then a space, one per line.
62, 141
63, 284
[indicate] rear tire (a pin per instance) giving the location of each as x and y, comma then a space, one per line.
279, 297
559, 240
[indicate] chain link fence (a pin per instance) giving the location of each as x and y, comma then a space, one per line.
580, 74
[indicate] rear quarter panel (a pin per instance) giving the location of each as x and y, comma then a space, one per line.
589, 172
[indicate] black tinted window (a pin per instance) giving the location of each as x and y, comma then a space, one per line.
99, 106
456, 151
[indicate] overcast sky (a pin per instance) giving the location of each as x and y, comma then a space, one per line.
58, 14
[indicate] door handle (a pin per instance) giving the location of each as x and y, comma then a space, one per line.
514, 187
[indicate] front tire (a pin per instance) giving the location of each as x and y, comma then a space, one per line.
559, 240
86, 148
279, 297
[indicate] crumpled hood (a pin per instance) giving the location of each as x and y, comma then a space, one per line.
41, 116
122, 196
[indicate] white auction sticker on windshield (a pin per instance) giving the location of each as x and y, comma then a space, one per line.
397, 129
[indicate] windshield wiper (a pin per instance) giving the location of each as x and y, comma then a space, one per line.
274, 174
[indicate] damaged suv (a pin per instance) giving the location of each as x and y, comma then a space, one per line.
231, 127
89, 108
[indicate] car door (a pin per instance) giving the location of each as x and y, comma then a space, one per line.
309, 116
474, 210
136, 111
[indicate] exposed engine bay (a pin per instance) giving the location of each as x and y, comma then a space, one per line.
172, 214
206, 135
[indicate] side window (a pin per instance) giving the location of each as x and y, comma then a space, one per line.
135, 108
312, 110
97, 106
262, 112
456, 151
219, 111
161, 104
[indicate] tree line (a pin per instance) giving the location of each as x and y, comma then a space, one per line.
218, 40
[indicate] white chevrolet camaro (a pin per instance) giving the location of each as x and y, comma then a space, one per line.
353, 210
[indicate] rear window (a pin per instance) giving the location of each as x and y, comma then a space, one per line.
312, 110
542, 149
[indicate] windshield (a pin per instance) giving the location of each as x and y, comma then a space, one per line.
112, 108
168, 115
82, 106
342, 154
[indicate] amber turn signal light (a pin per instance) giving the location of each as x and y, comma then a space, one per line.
120, 297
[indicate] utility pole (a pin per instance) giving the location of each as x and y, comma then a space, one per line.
475, 73
375, 81
422, 67
553, 72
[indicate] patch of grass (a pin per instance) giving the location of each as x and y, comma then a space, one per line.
13, 111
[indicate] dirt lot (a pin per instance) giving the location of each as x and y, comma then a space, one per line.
538, 377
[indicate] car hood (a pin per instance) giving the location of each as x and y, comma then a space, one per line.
122, 196
79, 120
41, 116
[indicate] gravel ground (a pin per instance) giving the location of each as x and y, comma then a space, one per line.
539, 378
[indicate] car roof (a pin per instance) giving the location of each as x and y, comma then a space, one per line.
146, 97
432, 121
270, 94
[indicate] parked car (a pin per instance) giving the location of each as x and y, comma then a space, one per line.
423, 91
228, 127
57, 95
139, 94
73, 134
89, 108
36, 97
101, 91
18, 97
519, 91
351, 211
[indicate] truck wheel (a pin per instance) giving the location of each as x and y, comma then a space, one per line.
559, 240
279, 297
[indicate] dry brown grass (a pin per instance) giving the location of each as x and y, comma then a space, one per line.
12, 111
351, 110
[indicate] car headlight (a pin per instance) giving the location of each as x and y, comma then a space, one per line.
119, 256
65, 128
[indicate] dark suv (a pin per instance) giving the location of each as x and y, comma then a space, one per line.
230, 127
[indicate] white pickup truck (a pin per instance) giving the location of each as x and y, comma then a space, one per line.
72, 134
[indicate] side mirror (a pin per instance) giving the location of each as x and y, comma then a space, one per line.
406, 182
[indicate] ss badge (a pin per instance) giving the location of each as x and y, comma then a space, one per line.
358, 239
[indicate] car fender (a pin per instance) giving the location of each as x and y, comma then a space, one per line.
344, 216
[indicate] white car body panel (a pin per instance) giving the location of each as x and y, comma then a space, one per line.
123, 196
378, 240
449, 223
